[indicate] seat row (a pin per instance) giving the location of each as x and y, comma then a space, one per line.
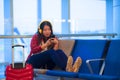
100, 59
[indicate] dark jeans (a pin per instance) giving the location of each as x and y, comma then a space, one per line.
49, 59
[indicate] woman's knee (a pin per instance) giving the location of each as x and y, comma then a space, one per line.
59, 51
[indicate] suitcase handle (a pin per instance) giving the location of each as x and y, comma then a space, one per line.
17, 45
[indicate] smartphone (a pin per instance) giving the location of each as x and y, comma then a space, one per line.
52, 36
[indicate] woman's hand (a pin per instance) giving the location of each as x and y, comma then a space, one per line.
48, 42
45, 45
55, 42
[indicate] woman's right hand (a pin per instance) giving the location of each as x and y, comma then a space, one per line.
45, 45
48, 42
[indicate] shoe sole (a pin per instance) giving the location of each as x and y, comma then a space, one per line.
69, 64
77, 64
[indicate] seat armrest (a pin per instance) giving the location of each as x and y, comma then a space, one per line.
40, 71
94, 60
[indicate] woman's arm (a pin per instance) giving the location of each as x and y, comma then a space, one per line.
35, 47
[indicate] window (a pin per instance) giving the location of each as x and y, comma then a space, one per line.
25, 23
25, 16
1, 30
88, 16
51, 10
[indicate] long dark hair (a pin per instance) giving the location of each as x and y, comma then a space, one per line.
41, 26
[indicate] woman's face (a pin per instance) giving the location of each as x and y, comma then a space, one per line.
46, 31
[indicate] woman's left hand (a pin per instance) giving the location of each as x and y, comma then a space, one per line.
54, 40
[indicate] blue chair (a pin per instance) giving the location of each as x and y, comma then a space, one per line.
111, 65
112, 62
89, 49
86, 49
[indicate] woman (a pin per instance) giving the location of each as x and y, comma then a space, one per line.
45, 53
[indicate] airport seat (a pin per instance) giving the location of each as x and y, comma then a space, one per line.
89, 49
112, 62
111, 67
86, 49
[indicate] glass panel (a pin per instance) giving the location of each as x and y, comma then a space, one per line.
25, 16
1, 50
51, 10
1, 31
19, 51
1, 18
87, 16
25, 23
2, 70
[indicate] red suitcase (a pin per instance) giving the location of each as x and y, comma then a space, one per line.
19, 71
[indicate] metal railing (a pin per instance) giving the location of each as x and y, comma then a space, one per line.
104, 35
